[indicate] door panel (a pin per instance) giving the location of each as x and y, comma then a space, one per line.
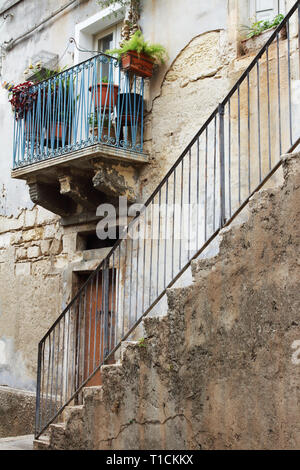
98, 325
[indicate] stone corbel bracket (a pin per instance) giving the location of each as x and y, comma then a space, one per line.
116, 181
49, 196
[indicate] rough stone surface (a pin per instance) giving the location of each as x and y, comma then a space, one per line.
56, 247
32, 234
45, 247
23, 269
116, 181
17, 443
17, 411
221, 370
33, 252
50, 231
21, 253
30, 218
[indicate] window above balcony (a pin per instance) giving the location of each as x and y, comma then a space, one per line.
266, 9
96, 27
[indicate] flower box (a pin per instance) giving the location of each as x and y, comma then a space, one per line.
138, 64
254, 44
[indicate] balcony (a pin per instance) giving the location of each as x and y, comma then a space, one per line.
78, 137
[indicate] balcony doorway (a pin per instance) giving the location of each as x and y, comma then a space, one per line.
106, 40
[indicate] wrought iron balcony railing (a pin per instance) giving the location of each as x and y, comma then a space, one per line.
92, 102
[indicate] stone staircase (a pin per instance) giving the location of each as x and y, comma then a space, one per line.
220, 370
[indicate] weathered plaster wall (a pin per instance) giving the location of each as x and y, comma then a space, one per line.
37, 256
165, 23
192, 88
30, 291
37, 261
221, 370
198, 79
161, 22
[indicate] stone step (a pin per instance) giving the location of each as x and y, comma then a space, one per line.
91, 392
17, 443
42, 443
125, 345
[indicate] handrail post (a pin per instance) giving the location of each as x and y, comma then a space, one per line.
38, 390
222, 165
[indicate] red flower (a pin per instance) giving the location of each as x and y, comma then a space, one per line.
22, 99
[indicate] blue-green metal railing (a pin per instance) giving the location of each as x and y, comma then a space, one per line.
234, 153
92, 102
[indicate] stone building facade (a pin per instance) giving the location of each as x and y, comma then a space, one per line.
44, 257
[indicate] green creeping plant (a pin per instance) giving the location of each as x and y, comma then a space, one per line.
142, 343
256, 28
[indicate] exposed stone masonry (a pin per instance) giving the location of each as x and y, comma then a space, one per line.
220, 370
38, 260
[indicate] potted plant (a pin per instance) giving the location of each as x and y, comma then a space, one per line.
56, 123
138, 56
259, 32
101, 128
22, 97
58, 119
104, 94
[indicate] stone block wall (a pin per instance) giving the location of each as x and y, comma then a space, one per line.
37, 260
17, 411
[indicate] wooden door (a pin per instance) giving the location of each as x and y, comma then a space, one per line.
98, 324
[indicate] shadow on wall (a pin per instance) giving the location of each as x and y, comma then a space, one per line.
13, 371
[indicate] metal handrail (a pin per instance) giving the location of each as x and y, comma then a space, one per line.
226, 162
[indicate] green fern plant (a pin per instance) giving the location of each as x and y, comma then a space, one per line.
137, 43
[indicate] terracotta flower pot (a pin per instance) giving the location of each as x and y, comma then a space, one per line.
100, 94
139, 64
56, 129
